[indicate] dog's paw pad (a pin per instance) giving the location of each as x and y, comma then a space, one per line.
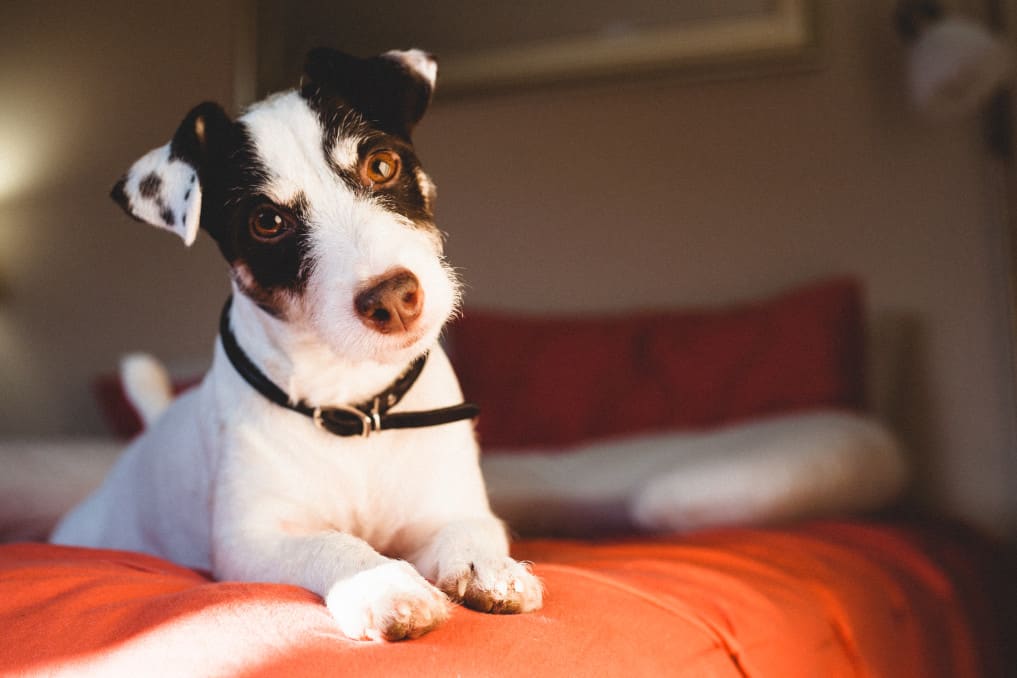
387, 602
498, 585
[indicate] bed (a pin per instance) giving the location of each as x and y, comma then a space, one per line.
703, 493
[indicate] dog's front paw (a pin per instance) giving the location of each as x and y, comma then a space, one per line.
497, 585
391, 602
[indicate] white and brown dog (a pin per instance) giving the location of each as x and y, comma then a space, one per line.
328, 446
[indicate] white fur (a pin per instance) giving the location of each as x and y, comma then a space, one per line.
227, 481
179, 191
345, 152
147, 386
417, 60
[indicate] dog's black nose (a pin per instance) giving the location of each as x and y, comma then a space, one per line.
391, 304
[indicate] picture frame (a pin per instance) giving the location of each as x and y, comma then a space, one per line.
489, 46
778, 35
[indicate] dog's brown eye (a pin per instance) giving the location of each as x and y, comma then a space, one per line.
267, 223
380, 168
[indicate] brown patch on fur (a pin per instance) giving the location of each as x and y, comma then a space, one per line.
149, 186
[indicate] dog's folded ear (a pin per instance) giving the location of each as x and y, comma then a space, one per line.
392, 90
163, 187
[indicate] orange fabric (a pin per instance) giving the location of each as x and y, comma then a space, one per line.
827, 599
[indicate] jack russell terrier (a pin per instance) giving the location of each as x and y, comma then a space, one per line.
328, 446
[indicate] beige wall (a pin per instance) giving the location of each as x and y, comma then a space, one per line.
668, 193
643, 194
88, 87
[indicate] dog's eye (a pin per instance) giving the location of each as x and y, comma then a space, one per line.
380, 168
267, 223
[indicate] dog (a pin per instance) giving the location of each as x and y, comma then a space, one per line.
327, 447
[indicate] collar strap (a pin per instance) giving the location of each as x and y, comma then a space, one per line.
345, 420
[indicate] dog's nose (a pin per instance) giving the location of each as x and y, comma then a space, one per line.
392, 304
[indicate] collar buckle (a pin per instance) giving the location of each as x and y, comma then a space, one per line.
369, 423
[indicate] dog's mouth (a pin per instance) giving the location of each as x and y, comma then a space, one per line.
407, 341
397, 348
385, 317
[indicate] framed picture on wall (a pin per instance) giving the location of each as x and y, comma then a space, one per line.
484, 46
642, 36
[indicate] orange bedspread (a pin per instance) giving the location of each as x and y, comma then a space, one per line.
825, 599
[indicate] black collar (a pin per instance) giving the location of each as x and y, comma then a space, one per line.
345, 420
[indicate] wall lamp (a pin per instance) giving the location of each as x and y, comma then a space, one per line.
955, 64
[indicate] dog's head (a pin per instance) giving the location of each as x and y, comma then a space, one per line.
317, 202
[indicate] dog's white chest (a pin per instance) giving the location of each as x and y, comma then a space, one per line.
316, 481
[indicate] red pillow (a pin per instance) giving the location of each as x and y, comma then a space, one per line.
118, 413
544, 380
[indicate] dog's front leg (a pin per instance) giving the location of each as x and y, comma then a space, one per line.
370, 596
469, 561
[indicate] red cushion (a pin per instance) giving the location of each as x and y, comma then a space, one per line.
544, 380
118, 413
825, 599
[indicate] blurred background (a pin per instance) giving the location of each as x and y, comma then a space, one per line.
734, 170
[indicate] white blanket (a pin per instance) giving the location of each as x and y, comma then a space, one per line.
759, 472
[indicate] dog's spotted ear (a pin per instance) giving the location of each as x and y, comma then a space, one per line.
392, 90
163, 187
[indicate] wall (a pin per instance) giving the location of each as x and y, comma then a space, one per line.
88, 88
658, 194
651, 193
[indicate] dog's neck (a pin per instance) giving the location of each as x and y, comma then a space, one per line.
300, 363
